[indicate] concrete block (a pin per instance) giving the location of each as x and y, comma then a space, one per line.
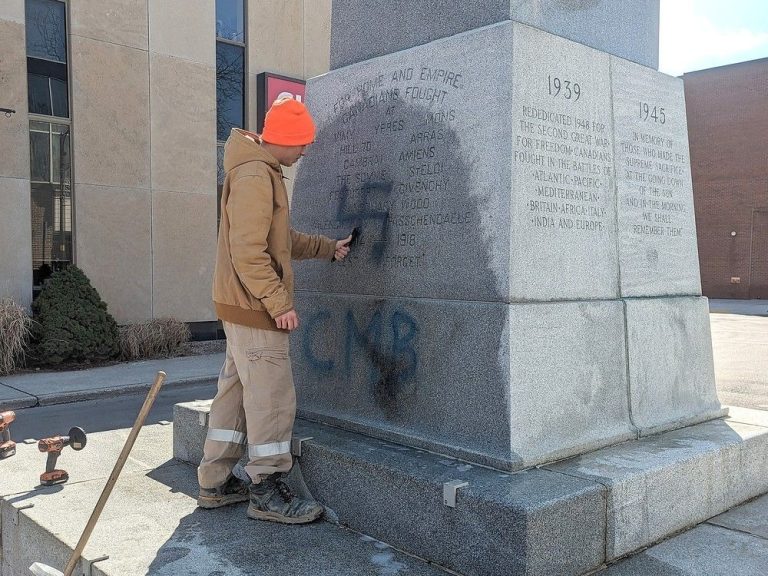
110, 97
658, 254
175, 30
123, 22
14, 130
403, 153
182, 284
190, 425
671, 372
102, 253
451, 226
13, 10
562, 203
183, 99
531, 522
649, 481
543, 381
364, 30
15, 241
402, 150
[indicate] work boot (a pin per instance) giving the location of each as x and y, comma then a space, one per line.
272, 500
232, 491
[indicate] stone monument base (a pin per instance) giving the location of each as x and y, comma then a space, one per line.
569, 517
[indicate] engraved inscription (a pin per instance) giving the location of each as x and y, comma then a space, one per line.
653, 169
394, 170
568, 159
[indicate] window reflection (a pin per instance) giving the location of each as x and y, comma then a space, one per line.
51, 198
230, 88
46, 30
229, 20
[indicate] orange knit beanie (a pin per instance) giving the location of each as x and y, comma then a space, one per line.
288, 123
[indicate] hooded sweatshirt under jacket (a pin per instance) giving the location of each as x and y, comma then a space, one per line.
253, 279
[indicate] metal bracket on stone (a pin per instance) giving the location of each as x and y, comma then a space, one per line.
203, 419
449, 491
18, 509
164, 423
296, 445
88, 564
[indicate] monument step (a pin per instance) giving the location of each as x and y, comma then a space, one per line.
151, 525
569, 517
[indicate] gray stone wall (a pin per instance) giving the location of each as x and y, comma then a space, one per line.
364, 29
524, 286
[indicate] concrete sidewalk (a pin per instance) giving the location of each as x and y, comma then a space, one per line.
44, 388
745, 307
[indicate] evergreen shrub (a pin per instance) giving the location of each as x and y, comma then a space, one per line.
73, 324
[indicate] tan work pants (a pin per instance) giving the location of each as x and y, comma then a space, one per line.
256, 402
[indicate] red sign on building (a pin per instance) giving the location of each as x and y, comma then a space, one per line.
269, 88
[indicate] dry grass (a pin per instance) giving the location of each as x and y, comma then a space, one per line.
15, 325
160, 338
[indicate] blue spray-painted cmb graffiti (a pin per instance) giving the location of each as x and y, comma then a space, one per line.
388, 344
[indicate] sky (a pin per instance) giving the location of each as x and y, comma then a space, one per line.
699, 34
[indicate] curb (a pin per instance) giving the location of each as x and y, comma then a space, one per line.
73, 396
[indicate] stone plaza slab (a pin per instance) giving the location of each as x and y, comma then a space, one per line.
361, 30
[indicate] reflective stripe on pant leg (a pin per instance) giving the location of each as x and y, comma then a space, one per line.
272, 449
231, 436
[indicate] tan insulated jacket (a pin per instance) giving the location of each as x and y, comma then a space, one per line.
253, 280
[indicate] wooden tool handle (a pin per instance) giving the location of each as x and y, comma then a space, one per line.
150, 399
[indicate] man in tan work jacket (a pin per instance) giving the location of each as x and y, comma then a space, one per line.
253, 294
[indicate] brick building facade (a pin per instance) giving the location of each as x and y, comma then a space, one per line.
727, 109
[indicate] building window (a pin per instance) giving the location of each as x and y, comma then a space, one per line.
230, 79
230, 88
219, 180
51, 175
49, 137
230, 20
46, 30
